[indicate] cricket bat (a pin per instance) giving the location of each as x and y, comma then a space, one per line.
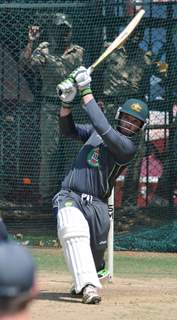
118, 42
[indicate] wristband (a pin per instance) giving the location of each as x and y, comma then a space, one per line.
67, 105
85, 91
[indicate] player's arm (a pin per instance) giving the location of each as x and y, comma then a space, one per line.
68, 128
121, 147
33, 35
66, 91
72, 58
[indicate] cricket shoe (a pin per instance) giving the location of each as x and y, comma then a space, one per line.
103, 274
73, 292
90, 295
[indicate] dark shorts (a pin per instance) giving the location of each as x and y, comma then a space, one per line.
95, 212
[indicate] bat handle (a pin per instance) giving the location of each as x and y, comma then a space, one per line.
90, 70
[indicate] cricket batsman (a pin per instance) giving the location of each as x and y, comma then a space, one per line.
82, 203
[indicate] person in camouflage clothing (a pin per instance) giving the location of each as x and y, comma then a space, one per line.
126, 74
54, 60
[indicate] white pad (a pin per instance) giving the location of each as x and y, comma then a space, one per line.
74, 235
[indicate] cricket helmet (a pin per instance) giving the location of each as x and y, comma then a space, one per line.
135, 108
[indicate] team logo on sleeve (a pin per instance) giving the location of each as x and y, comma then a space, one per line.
93, 158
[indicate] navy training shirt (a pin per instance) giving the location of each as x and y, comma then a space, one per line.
103, 156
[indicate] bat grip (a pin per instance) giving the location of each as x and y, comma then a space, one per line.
60, 92
90, 70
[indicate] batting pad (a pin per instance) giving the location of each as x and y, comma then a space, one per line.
74, 235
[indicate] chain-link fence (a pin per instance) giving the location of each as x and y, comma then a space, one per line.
34, 157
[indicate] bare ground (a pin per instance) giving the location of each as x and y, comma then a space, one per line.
129, 299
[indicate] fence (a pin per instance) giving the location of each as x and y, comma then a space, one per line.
145, 194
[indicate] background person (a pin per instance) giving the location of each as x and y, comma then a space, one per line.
54, 60
126, 74
17, 282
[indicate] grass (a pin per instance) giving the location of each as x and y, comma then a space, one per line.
125, 264
49, 259
148, 266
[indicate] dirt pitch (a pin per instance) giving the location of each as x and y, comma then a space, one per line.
128, 299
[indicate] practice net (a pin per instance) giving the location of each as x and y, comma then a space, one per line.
34, 157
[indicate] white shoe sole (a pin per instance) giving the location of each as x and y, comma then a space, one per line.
95, 299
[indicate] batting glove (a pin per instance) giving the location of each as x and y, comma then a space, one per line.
66, 91
83, 79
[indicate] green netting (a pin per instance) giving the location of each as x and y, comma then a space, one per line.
34, 158
161, 239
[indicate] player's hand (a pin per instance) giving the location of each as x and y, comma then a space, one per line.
40, 53
43, 48
83, 79
66, 91
34, 33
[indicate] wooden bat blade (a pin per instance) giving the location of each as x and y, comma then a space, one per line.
122, 37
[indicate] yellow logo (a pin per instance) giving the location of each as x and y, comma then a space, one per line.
136, 107
68, 204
